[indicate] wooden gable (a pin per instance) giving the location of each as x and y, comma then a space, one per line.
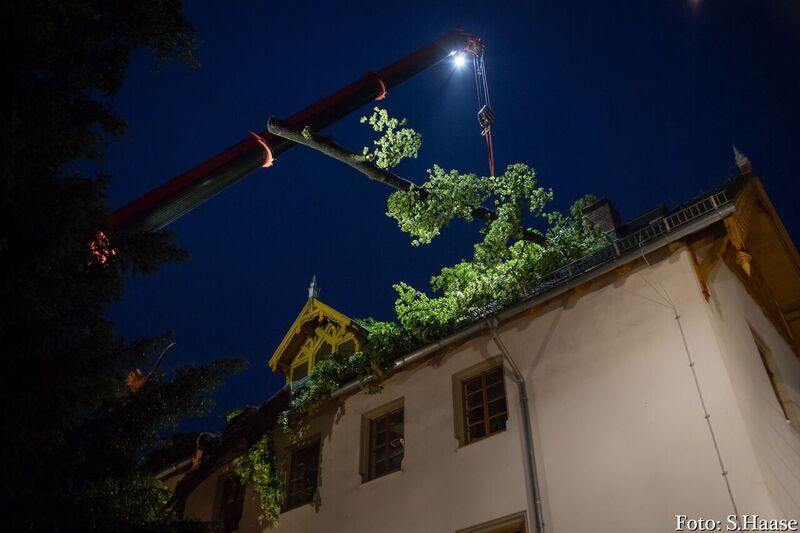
318, 332
758, 249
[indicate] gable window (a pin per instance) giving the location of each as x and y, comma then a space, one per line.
479, 401
347, 348
231, 502
303, 474
383, 441
299, 370
323, 352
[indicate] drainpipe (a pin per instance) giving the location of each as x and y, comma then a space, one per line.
536, 503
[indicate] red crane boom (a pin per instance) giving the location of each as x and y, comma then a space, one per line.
175, 198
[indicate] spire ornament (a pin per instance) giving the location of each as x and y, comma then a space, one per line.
742, 161
313, 289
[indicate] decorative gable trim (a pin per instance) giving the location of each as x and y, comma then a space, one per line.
318, 328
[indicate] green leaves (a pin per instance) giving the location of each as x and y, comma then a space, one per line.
395, 144
259, 466
422, 213
503, 265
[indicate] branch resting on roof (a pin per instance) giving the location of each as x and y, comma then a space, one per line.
360, 162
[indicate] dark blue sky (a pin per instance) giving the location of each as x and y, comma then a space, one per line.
637, 101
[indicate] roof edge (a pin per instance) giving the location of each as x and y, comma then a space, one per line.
523, 305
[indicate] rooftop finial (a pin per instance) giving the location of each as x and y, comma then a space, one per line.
742, 162
313, 289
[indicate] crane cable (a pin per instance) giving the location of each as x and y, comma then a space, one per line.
486, 115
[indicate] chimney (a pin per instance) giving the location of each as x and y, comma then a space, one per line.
604, 215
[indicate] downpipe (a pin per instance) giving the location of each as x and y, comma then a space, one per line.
536, 503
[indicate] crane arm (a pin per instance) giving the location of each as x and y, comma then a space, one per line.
175, 198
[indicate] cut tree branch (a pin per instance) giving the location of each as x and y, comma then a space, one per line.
329, 147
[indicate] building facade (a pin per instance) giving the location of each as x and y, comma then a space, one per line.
659, 379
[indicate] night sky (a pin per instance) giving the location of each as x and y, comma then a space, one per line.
636, 101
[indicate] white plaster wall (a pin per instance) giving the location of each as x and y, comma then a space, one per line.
441, 487
622, 438
776, 443
620, 433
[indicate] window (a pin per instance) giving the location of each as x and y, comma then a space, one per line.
383, 441
509, 524
231, 502
347, 348
784, 401
479, 401
300, 370
386, 444
485, 404
323, 352
303, 473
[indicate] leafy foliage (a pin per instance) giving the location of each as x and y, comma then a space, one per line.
259, 466
447, 195
395, 144
75, 439
503, 265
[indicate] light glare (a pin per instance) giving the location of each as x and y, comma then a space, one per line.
460, 59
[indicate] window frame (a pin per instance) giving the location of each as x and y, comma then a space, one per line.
459, 400
296, 364
367, 420
507, 524
293, 451
219, 510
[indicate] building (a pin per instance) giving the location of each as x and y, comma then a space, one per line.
659, 377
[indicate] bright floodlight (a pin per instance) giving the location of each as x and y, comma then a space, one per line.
460, 59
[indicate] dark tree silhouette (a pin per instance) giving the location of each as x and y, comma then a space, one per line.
73, 432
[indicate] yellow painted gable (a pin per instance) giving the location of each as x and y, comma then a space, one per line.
318, 331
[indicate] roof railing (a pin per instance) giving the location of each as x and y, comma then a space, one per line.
616, 248
622, 245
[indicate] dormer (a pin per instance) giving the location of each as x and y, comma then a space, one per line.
318, 332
